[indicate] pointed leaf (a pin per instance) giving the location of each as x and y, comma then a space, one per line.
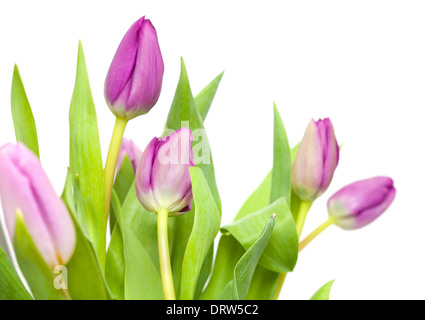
324, 292
281, 173
205, 98
85, 155
183, 112
23, 119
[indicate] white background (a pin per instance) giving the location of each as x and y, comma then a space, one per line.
361, 63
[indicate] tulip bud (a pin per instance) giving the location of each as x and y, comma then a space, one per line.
316, 160
163, 178
128, 148
24, 187
134, 79
361, 202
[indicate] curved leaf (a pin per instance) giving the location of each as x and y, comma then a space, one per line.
11, 287
206, 225
237, 289
281, 253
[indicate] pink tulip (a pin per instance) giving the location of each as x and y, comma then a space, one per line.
316, 160
25, 187
128, 148
134, 80
163, 178
361, 202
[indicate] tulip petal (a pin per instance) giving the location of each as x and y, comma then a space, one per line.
123, 64
25, 187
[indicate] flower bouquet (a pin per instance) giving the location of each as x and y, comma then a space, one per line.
144, 225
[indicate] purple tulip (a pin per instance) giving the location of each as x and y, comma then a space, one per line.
128, 148
316, 160
134, 79
25, 187
361, 202
163, 178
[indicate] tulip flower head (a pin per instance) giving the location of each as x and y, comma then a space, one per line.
163, 178
361, 202
25, 188
134, 80
128, 148
316, 160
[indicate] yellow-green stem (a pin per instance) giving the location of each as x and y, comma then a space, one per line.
164, 256
111, 160
315, 233
304, 207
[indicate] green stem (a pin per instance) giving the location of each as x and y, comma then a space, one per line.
303, 209
111, 160
164, 256
316, 232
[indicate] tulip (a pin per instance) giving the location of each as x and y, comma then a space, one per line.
25, 188
316, 160
134, 80
132, 88
128, 148
162, 177
361, 202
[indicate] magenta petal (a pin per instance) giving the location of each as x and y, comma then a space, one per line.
134, 80
316, 160
361, 202
123, 64
143, 177
163, 177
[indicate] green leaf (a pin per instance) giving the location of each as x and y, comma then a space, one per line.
39, 275
205, 98
85, 275
182, 230
129, 268
324, 292
123, 182
86, 157
245, 268
11, 287
115, 264
143, 224
229, 252
258, 200
281, 173
237, 289
281, 253
142, 280
205, 273
205, 227
263, 284
23, 119
183, 112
